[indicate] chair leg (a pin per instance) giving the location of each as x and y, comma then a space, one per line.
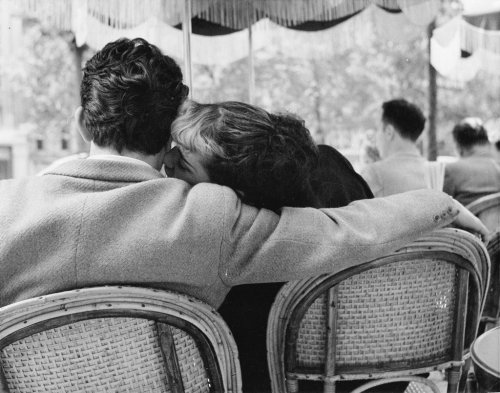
464, 376
453, 379
292, 385
471, 384
329, 387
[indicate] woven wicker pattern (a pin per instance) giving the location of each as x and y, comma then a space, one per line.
96, 355
193, 373
415, 387
311, 346
380, 322
492, 305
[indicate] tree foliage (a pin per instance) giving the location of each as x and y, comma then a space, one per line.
340, 96
41, 74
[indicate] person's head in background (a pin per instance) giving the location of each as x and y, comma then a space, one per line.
470, 135
266, 158
402, 124
130, 95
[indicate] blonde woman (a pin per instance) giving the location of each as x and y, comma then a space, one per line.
272, 161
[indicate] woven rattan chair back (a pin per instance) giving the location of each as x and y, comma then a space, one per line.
491, 311
488, 210
119, 339
404, 314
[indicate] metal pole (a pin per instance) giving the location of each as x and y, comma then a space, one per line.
251, 67
432, 137
186, 29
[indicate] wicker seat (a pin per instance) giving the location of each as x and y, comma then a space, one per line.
488, 210
405, 314
119, 339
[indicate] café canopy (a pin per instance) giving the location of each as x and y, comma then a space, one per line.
239, 26
221, 31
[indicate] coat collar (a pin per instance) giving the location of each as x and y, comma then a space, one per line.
106, 170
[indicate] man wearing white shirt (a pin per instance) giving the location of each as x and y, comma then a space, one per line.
402, 167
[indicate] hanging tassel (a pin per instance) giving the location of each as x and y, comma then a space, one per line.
474, 38
289, 13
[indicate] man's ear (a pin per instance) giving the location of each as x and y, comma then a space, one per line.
390, 132
80, 125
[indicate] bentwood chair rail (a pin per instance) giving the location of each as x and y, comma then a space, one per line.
120, 339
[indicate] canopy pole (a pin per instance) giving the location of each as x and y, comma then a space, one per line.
186, 29
251, 66
432, 137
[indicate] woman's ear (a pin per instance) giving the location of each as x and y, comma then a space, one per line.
80, 124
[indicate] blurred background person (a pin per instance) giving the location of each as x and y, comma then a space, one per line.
477, 172
402, 167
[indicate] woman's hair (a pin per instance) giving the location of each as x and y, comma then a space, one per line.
265, 157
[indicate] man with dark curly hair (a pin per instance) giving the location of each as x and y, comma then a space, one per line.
113, 218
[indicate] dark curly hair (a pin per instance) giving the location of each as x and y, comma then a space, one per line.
267, 158
130, 94
470, 132
406, 117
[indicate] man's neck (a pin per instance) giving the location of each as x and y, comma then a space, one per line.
401, 146
154, 160
477, 150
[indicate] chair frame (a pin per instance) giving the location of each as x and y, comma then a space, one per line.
491, 314
484, 204
450, 245
480, 207
200, 321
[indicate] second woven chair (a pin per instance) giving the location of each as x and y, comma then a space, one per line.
405, 314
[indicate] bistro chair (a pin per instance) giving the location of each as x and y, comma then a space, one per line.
487, 209
408, 313
491, 312
116, 338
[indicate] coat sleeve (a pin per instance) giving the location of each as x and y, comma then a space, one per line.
261, 246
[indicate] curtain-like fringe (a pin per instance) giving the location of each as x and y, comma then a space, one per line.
124, 14
296, 11
474, 38
237, 14
53, 13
